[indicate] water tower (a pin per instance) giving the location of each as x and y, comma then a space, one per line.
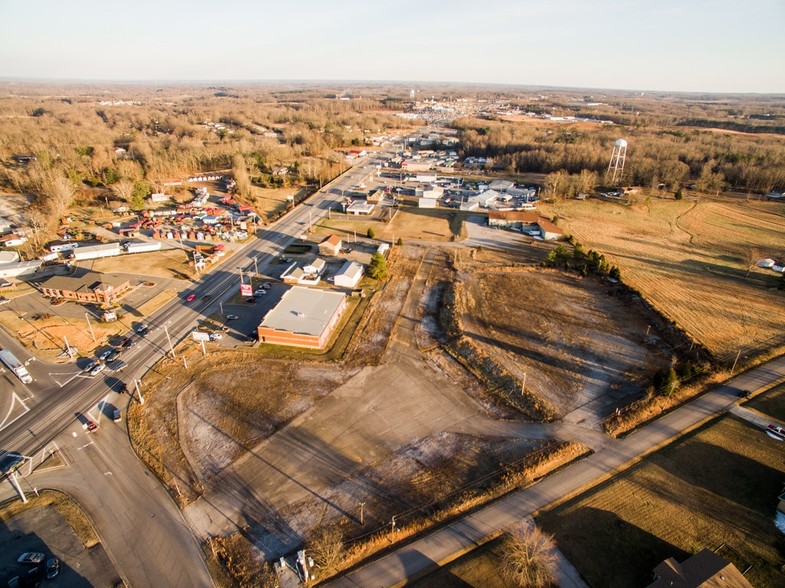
618, 155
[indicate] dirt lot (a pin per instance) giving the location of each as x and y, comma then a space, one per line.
716, 487
562, 334
690, 260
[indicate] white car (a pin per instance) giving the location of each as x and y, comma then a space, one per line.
216, 336
260, 292
98, 369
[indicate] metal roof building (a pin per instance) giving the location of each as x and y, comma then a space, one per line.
304, 317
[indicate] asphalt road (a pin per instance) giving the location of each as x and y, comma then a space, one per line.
140, 526
468, 532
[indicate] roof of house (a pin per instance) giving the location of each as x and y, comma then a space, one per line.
548, 227
524, 216
333, 240
501, 185
705, 569
85, 281
351, 269
303, 310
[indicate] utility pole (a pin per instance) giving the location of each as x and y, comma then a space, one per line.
67, 347
255, 266
734, 362
523, 387
89, 326
138, 391
171, 348
392, 524
185, 363
362, 513
221, 305
203, 350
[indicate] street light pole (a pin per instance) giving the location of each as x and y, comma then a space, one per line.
138, 391
89, 326
171, 348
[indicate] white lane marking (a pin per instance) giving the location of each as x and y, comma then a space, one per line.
70, 379
14, 400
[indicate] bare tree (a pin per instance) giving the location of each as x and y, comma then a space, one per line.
240, 173
59, 193
124, 189
530, 558
327, 548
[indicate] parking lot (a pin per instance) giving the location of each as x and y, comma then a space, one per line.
44, 530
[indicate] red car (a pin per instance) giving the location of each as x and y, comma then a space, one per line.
191, 298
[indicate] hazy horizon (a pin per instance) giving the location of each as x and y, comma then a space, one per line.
702, 47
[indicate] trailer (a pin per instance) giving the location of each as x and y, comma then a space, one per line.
143, 247
12, 363
96, 251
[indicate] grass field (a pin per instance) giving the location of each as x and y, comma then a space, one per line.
771, 403
479, 568
410, 223
690, 259
718, 486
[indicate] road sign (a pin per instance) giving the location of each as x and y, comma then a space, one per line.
200, 336
246, 290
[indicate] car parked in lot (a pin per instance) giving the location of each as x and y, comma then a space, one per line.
31, 557
251, 300
191, 298
216, 336
52, 568
260, 292
232, 317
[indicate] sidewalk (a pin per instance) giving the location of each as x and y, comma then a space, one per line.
451, 541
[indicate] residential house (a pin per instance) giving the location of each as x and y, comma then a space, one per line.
705, 569
349, 275
331, 245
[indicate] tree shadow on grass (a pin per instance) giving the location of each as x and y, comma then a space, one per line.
607, 550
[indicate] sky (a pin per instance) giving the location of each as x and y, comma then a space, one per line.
665, 45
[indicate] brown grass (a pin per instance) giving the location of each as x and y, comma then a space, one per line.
44, 337
167, 263
690, 260
716, 486
67, 508
528, 471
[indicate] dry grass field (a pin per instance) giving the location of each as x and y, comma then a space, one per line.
570, 341
716, 487
690, 259
408, 224
167, 263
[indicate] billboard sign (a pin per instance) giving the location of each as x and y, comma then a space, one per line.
200, 336
246, 290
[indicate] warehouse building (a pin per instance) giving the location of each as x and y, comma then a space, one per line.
304, 317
